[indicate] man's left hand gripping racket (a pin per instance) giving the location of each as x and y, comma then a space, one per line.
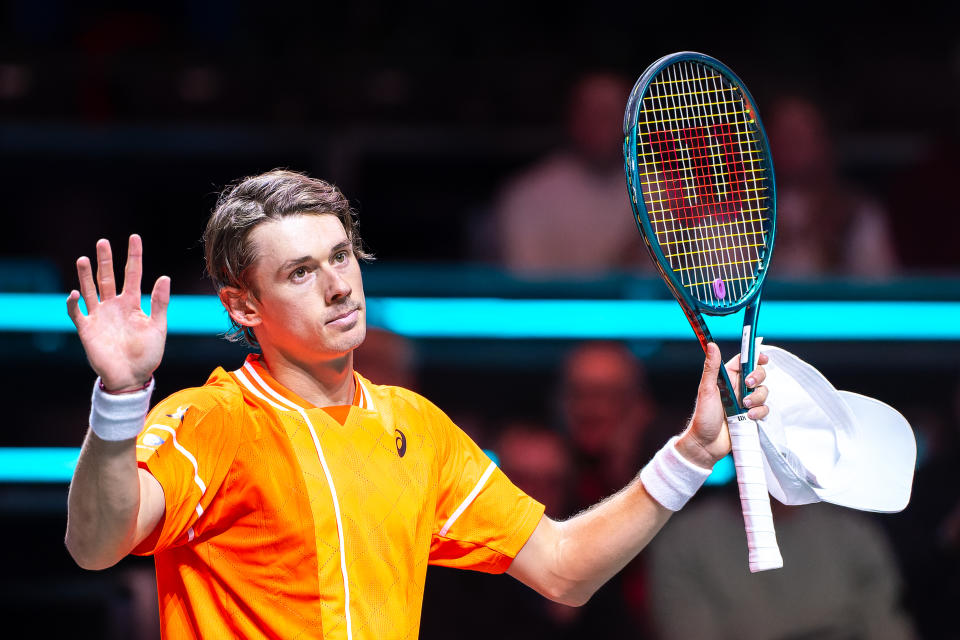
700, 179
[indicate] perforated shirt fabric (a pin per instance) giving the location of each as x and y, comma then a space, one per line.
281, 522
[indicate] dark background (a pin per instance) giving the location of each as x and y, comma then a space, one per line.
130, 117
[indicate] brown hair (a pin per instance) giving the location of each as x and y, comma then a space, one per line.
255, 199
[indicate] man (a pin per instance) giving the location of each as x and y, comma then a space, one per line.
840, 581
569, 211
294, 498
609, 416
611, 421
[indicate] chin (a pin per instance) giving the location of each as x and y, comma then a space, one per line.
350, 340
360, 334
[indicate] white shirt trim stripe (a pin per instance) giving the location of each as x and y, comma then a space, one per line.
333, 490
367, 400
186, 454
266, 387
249, 385
189, 456
470, 498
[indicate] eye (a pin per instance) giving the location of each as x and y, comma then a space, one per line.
340, 256
299, 273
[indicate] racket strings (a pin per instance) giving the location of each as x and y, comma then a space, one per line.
663, 163
733, 271
704, 181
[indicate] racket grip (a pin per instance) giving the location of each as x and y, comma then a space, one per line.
764, 553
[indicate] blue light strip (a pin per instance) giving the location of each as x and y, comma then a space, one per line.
56, 464
495, 318
723, 472
37, 464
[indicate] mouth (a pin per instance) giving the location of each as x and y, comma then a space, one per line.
346, 317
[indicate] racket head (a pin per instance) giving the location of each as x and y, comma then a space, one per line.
700, 180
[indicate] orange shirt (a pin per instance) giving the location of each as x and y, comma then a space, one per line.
281, 522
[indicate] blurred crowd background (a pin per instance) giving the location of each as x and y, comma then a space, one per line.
481, 146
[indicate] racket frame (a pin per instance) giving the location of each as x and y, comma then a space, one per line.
693, 308
764, 551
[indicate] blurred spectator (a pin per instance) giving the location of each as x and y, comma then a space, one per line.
927, 533
839, 578
609, 417
570, 212
926, 215
607, 413
824, 226
538, 461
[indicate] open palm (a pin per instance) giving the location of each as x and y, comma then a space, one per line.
122, 343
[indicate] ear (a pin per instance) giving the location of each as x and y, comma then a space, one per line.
241, 305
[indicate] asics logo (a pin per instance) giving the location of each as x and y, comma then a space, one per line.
401, 442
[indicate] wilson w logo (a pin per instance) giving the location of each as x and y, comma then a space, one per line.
700, 173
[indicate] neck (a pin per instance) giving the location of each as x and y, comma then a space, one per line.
322, 383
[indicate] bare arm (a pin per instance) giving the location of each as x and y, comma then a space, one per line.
112, 504
568, 561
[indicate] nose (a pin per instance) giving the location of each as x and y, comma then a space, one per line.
336, 288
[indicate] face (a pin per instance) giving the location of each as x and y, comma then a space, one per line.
308, 294
537, 462
799, 138
595, 118
601, 398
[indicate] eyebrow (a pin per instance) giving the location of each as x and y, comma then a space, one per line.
289, 264
294, 262
340, 246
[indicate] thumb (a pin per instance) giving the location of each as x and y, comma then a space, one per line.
711, 369
159, 299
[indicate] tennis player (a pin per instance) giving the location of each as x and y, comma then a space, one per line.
293, 498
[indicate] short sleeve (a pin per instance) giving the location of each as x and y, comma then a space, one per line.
188, 444
482, 520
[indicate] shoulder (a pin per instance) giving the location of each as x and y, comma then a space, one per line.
218, 398
198, 421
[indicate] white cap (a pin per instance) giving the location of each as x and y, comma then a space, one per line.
829, 445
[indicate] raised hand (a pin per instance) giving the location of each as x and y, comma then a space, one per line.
707, 439
122, 343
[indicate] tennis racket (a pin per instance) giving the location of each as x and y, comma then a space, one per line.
700, 179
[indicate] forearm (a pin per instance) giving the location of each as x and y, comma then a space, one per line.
596, 544
568, 561
103, 503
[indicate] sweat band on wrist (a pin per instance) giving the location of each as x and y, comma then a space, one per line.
671, 479
119, 416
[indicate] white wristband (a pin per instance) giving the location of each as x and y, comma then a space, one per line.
671, 479
119, 416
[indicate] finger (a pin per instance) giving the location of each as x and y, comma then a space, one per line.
159, 300
711, 368
108, 287
759, 413
87, 287
733, 364
757, 398
756, 377
134, 268
73, 308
